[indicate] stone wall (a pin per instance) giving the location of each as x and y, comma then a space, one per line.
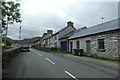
111, 45
110, 41
8, 55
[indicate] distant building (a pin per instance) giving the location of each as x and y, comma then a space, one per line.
45, 39
101, 39
37, 42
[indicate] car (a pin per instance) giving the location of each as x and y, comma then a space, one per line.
25, 48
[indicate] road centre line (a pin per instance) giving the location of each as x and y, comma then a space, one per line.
49, 60
39, 54
71, 75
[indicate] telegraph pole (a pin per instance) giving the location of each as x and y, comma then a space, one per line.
19, 34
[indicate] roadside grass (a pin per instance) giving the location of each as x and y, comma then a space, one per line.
95, 56
8, 47
59, 52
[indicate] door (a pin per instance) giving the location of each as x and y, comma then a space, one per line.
88, 46
71, 46
64, 46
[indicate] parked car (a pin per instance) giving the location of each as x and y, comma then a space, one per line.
25, 48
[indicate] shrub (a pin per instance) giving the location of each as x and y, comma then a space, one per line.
94, 55
6, 47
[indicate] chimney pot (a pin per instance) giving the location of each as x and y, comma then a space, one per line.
50, 31
69, 23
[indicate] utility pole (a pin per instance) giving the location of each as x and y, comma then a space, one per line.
19, 34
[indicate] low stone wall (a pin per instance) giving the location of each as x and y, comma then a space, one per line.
38, 47
8, 55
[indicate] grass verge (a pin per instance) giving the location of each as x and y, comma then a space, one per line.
59, 52
6, 48
95, 56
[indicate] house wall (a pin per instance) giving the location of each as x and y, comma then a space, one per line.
64, 40
110, 42
66, 31
56, 44
50, 42
47, 43
54, 41
63, 33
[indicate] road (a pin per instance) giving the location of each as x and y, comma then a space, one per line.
39, 64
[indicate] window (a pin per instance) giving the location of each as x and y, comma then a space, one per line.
55, 37
77, 45
56, 44
101, 44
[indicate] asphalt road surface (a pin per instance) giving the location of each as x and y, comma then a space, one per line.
39, 64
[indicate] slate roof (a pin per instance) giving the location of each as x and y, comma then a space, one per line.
71, 33
107, 26
63, 29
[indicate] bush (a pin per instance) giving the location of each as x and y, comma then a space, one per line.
6, 47
94, 55
88, 55
53, 49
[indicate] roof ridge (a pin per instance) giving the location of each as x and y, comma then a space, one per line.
103, 23
107, 26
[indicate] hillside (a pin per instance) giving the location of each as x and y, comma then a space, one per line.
25, 41
29, 40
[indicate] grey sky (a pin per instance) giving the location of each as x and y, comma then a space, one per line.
40, 15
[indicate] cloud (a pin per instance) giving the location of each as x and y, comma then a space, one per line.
40, 15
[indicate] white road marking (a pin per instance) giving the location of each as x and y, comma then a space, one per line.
71, 75
39, 54
49, 60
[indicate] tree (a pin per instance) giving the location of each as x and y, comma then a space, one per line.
10, 14
8, 41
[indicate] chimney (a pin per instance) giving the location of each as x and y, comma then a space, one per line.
44, 34
69, 23
49, 31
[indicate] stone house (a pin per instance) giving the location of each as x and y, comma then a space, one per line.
45, 37
54, 39
37, 42
64, 40
101, 40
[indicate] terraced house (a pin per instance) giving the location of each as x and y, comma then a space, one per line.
45, 39
101, 40
54, 39
64, 40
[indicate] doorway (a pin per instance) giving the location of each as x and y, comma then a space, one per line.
71, 46
88, 46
